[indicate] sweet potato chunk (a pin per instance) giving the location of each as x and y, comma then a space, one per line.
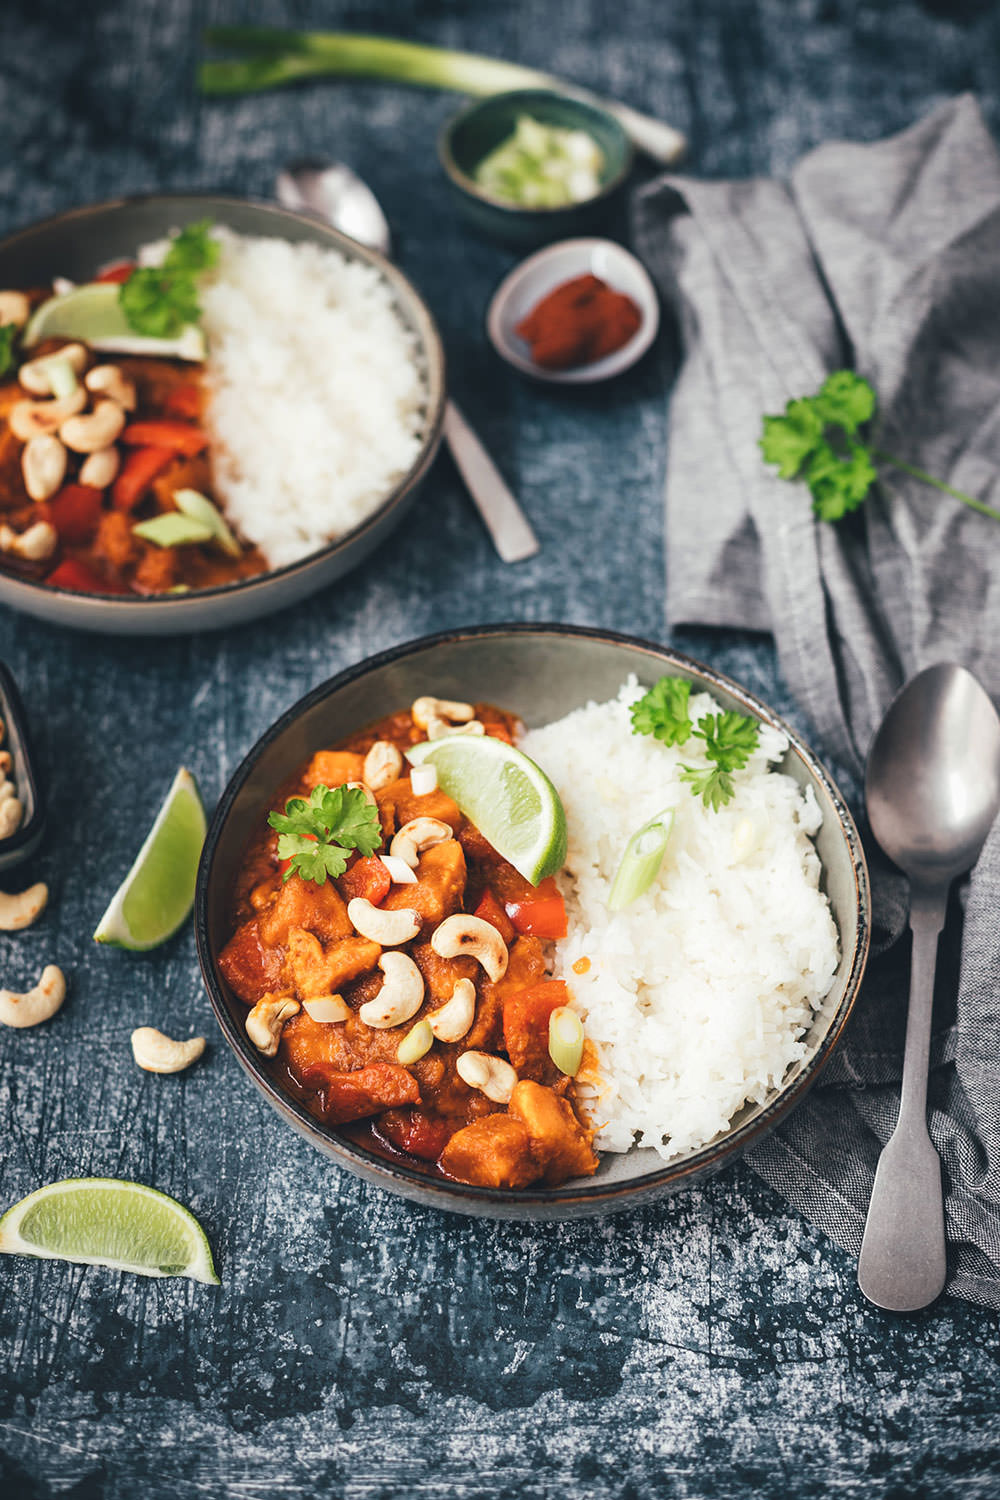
436, 804
302, 903
249, 966
441, 974
315, 970
333, 768
526, 1015
352, 1096
494, 1152
559, 1143
440, 885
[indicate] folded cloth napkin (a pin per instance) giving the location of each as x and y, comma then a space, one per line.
885, 258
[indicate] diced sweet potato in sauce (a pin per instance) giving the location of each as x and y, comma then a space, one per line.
495, 1152
559, 1143
439, 887
302, 903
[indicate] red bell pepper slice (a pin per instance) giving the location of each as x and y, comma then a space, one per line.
119, 272
137, 474
75, 512
179, 437
71, 574
544, 916
490, 910
368, 878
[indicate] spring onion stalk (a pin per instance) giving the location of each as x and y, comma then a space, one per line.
275, 57
566, 1040
417, 1042
641, 861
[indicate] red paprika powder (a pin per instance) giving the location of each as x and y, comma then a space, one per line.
579, 322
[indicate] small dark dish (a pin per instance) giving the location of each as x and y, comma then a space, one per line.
25, 840
473, 133
540, 672
75, 244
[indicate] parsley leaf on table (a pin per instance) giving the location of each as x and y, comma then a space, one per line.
318, 835
663, 711
160, 301
815, 439
8, 333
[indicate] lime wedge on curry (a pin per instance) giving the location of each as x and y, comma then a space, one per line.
158, 892
104, 1221
93, 314
511, 800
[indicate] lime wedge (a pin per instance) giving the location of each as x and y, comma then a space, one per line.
92, 313
511, 800
157, 893
103, 1221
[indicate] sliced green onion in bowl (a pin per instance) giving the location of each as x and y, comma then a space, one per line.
641, 861
417, 1042
566, 1040
198, 506
173, 530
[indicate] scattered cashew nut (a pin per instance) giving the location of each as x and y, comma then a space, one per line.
383, 764
35, 544
36, 1005
21, 910
474, 937
108, 380
266, 1020
424, 710
416, 836
6, 762
390, 928
96, 430
34, 374
492, 1076
31, 419
43, 464
161, 1054
14, 308
452, 1021
438, 728
101, 468
401, 995
11, 813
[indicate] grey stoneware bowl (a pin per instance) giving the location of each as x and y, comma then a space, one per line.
74, 245
474, 132
540, 672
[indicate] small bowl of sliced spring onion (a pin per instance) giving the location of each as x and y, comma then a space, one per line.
533, 165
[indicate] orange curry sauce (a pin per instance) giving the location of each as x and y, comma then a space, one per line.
294, 938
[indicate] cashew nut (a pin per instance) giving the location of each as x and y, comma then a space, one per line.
11, 813
359, 786
400, 872
390, 928
161, 1054
20, 911
424, 710
326, 1008
35, 374
266, 1020
6, 762
452, 1021
416, 1044
401, 995
108, 380
462, 934
14, 308
416, 836
438, 728
492, 1076
101, 468
35, 544
7, 790
383, 764
31, 419
98, 430
43, 464
37, 1005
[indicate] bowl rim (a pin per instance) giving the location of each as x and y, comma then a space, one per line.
593, 1197
436, 401
624, 358
471, 188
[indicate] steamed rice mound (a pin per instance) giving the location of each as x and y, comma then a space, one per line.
317, 404
698, 994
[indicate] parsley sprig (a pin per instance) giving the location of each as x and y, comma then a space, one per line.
818, 439
8, 334
318, 835
161, 301
729, 738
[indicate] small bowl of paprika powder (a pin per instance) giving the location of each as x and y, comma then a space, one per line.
575, 313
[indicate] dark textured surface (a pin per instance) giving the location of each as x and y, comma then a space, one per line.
713, 1346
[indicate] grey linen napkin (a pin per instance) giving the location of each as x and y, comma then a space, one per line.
885, 258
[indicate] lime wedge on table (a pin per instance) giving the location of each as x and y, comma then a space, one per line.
157, 893
93, 314
511, 800
103, 1221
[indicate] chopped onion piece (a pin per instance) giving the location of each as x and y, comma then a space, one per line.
417, 1042
423, 780
327, 1008
399, 871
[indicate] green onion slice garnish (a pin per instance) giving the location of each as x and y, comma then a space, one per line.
566, 1040
641, 861
171, 529
198, 506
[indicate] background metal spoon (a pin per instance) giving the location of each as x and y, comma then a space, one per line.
932, 788
332, 192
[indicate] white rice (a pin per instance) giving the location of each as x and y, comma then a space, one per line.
698, 994
317, 401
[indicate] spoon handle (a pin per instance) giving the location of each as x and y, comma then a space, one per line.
502, 516
903, 1261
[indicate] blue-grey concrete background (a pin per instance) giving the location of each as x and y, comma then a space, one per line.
713, 1346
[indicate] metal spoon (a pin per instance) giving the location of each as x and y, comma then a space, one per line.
332, 192
932, 787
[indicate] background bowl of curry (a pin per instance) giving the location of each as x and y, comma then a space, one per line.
539, 672
74, 245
